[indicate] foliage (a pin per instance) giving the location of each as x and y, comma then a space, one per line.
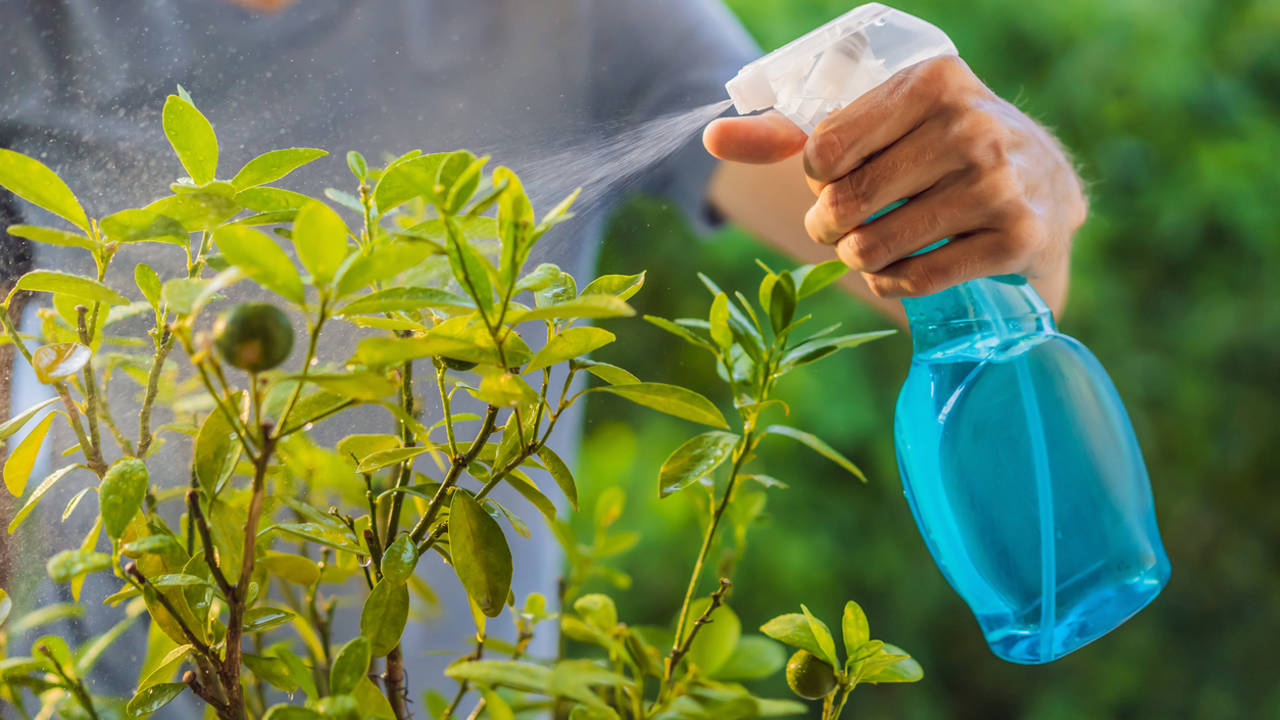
1172, 114
241, 596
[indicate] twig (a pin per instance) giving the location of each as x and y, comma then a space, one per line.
153, 388
206, 540
132, 571
682, 648
459, 464
75, 685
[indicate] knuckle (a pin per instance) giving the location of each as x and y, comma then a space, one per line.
865, 250
823, 153
983, 139
920, 278
847, 200
880, 286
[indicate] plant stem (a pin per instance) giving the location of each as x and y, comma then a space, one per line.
90, 382
153, 388
397, 692
740, 455
455, 470
682, 648
448, 411
312, 341
206, 540
405, 469
75, 685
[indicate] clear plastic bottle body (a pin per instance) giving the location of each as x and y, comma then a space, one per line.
1023, 472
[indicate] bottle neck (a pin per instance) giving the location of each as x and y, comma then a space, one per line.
1003, 308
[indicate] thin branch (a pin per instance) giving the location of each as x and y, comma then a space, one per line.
682, 648
455, 470
153, 388
206, 540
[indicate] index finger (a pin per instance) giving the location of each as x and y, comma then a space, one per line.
871, 123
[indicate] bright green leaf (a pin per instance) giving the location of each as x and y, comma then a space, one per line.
569, 343
695, 459
18, 466
261, 259
70, 563
53, 236
754, 658
192, 138
384, 615
620, 286
715, 642
137, 225
83, 289
271, 166
34, 182
822, 636
480, 553
153, 698
404, 299
399, 559
809, 279
854, 628
560, 473
591, 306
351, 664
320, 238
40, 491
816, 444
670, 399
121, 494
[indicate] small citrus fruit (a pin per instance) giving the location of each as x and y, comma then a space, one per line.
253, 336
810, 677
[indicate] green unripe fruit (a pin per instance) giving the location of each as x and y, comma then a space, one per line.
455, 364
810, 677
253, 336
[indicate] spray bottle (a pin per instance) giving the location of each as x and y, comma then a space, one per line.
1017, 457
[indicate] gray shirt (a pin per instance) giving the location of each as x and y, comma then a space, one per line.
82, 85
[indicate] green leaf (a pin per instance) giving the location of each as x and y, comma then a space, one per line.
44, 487
793, 629
120, 494
294, 568
271, 200
19, 421
611, 374
6, 605
809, 279
694, 460
822, 635
195, 211
560, 473
670, 399
620, 286
782, 303
399, 559
137, 225
34, 182
515, 223
904, 669
320, 238
77, 287
292, 712
480, 553
854, 628
153, 698
815, 349
816, 444
406, 179
263, 618
349, 666
469, 268
386, 458
18, 466
597, 610
569, 343
216, 451
357, 164
557, 214
323, 534
754, 658
591, 306
381, 263
69, 564
716, 641
367, 386
148, 282
53, 236
59, 361
297, 669
384, 616
271, 670
525, 677
192, 139
261, 259
404, 299
495, 707
271, 166
719, 322
680, 332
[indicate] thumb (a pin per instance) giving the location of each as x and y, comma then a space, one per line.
758, 139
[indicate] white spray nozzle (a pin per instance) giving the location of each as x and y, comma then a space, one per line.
828, 68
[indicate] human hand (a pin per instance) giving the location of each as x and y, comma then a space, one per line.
976, 169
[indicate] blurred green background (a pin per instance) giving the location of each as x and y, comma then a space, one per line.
1172, 111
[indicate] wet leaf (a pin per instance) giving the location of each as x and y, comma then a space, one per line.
19, 421
121, 494
591, 306
271, 670
262, 618
18, 466
216, 451
384, 615
903, 669
261, 259
77, 287
719, 322
44, 487
405, 299
68, 564
270, 199
854, 628
782, 303
54, 236
621, 286
271, 166
351, 664
670, 399
480, 553
560, 473
694, 460
569, 343
138, 225
34, 182
192, 139
816, 444
320, 239
399, 559
386, 458
809, 279
195, 211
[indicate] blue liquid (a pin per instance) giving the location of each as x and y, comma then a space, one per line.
1023, 472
